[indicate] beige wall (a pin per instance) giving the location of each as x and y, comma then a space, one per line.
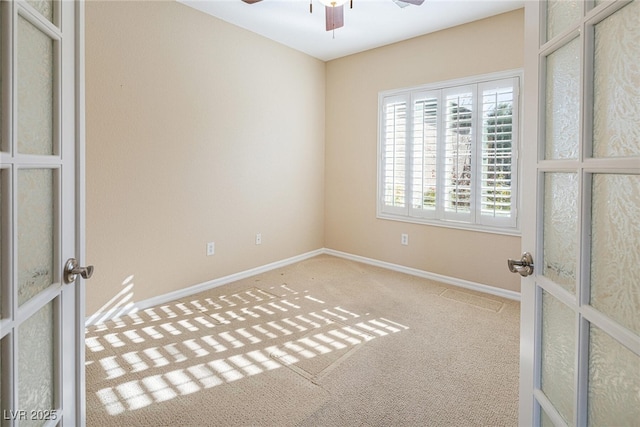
197, 131
353, 83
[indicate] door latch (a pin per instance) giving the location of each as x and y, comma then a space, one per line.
524, 267
72, 269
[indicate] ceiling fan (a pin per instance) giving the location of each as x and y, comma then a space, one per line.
334, 10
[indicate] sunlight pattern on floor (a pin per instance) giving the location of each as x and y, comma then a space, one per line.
191, 345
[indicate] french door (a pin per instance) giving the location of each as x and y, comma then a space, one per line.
41, 327
580, 338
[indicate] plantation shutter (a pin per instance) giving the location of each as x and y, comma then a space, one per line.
424, 145
448, 155
497, 158
394, 155
458, 145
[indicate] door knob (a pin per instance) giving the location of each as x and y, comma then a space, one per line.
72, 269
524, 266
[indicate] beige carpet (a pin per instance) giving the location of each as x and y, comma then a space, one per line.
324, 342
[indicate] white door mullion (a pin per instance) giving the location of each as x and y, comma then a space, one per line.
6, 39
582, 288
15, 375
13, 257
582, 370
8, 372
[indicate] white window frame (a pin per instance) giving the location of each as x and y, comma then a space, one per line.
472, 220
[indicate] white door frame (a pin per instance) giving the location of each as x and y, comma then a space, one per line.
80, 225
528, 197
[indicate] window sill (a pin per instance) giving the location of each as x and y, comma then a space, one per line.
452, 224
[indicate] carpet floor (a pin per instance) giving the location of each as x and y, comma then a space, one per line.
323, 342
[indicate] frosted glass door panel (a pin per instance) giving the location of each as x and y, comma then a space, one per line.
35, 232
614, 382
560, 224
560, 15
562, 114
616, 115
545, 421
35, 364
35, 90
558, 355
615, 248
45, 7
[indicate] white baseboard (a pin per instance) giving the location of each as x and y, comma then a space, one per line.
133, 307
512, 295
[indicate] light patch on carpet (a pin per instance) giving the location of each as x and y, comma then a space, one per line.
474, 300
319, 352
210, 301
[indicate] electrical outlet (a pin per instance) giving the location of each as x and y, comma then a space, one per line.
259, 239
211, 248
404, 239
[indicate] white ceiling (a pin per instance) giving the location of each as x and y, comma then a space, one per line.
370, 24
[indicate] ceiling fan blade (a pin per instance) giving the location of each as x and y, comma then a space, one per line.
335, 17
400, 3
416, 2
251, 1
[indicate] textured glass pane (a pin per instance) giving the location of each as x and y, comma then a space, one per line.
35, 232
616, 115
545, 421
560, 15
35, 90
562, 114
35, 363
561, 228
45, 7
614, 382
558, 355
615, 248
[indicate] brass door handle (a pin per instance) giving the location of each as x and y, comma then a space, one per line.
72, 269
524, 266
